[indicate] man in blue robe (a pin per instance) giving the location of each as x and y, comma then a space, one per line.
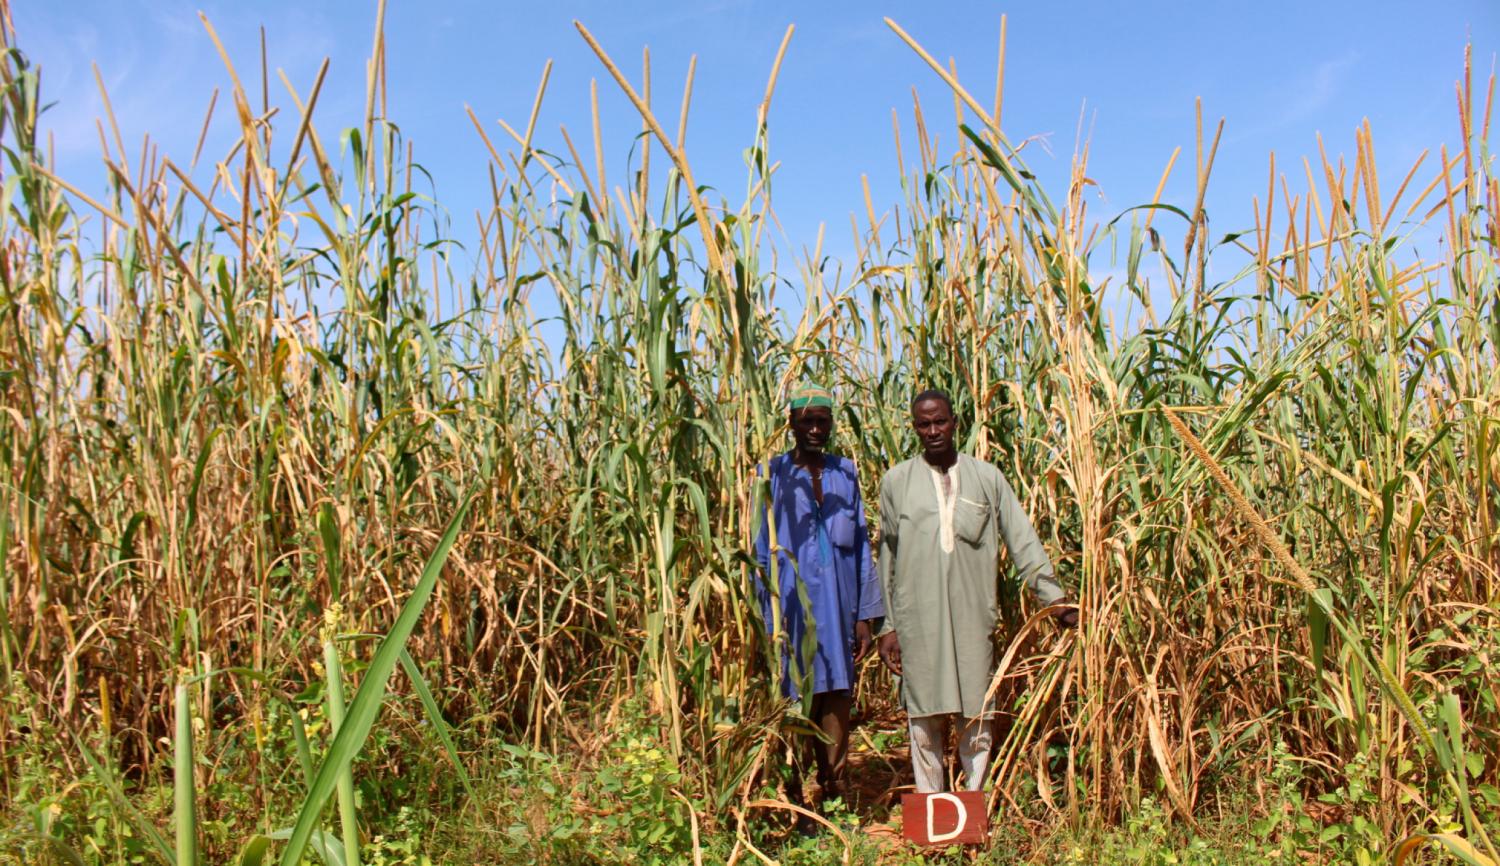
823, 557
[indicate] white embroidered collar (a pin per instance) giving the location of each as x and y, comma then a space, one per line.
947, 502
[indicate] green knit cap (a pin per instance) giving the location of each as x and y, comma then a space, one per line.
811, 395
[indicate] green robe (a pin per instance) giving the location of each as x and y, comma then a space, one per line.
943, 605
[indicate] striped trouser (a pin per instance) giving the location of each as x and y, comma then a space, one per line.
928, 736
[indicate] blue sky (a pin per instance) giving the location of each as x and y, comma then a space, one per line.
1280, 72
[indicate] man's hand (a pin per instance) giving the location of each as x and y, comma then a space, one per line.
864, 640
889, 648
1068, 616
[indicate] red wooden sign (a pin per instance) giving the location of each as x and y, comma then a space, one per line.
959, 818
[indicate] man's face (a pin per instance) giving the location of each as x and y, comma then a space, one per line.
811, 428
933, 422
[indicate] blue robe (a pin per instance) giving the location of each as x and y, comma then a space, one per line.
831, 545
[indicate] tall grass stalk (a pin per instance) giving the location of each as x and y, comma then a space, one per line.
184, 799
333, 672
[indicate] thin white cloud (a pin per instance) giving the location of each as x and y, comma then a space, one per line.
1326, 82
1304, 96
865, 32
160, 70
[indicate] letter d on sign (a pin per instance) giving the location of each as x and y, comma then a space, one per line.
962, 818
959, 818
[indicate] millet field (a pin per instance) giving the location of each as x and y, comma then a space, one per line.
316, 548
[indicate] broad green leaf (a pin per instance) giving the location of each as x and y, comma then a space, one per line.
371, 694
1317, 624
254, 852
321, 842
328, 528
435, 716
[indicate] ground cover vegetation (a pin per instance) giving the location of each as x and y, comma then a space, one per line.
313, 550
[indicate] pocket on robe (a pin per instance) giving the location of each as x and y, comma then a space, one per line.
971, 521
842, 530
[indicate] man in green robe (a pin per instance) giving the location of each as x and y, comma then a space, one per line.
940, 515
